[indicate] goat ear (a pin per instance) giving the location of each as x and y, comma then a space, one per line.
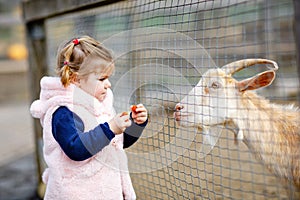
260, 80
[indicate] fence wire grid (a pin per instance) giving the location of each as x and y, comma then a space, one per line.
162, 49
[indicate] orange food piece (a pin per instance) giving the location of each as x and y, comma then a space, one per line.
124, 113
133, 108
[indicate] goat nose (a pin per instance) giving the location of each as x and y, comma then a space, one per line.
178, 107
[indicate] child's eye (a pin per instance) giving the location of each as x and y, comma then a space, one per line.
103, 78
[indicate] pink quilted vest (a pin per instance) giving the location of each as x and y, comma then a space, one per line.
101, 177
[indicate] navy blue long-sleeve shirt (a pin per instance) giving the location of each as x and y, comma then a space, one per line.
68, 131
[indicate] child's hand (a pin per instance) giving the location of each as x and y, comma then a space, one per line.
139, 113
119, 123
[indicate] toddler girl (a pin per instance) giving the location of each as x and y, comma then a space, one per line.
83, 137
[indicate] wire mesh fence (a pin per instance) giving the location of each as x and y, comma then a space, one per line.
162, 49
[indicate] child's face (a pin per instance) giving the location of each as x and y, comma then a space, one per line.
96, 85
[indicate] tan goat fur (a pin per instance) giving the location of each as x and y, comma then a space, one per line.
271, 131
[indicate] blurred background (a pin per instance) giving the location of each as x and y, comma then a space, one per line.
17, 162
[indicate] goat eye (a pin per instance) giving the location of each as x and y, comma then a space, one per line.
215, 85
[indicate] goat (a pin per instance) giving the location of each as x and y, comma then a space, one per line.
270, 131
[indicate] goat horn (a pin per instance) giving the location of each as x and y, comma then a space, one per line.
236, 66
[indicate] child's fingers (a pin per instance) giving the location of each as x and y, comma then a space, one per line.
125, 123
141, 114
140, 120
124, 117
137, 115
123, 114
123, 120
138, 108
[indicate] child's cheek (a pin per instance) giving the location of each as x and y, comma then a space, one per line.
98, 90
99, 96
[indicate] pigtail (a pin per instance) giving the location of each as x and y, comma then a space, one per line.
66, 71
65, 75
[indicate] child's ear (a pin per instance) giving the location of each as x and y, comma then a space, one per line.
75, 80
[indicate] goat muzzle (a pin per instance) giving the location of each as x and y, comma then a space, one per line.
178, 107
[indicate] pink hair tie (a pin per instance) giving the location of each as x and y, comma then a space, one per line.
66, 63
76, 41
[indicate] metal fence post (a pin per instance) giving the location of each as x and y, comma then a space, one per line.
36, 43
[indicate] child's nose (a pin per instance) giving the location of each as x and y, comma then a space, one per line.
107, 84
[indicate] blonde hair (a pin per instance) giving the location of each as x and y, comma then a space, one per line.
81, 56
